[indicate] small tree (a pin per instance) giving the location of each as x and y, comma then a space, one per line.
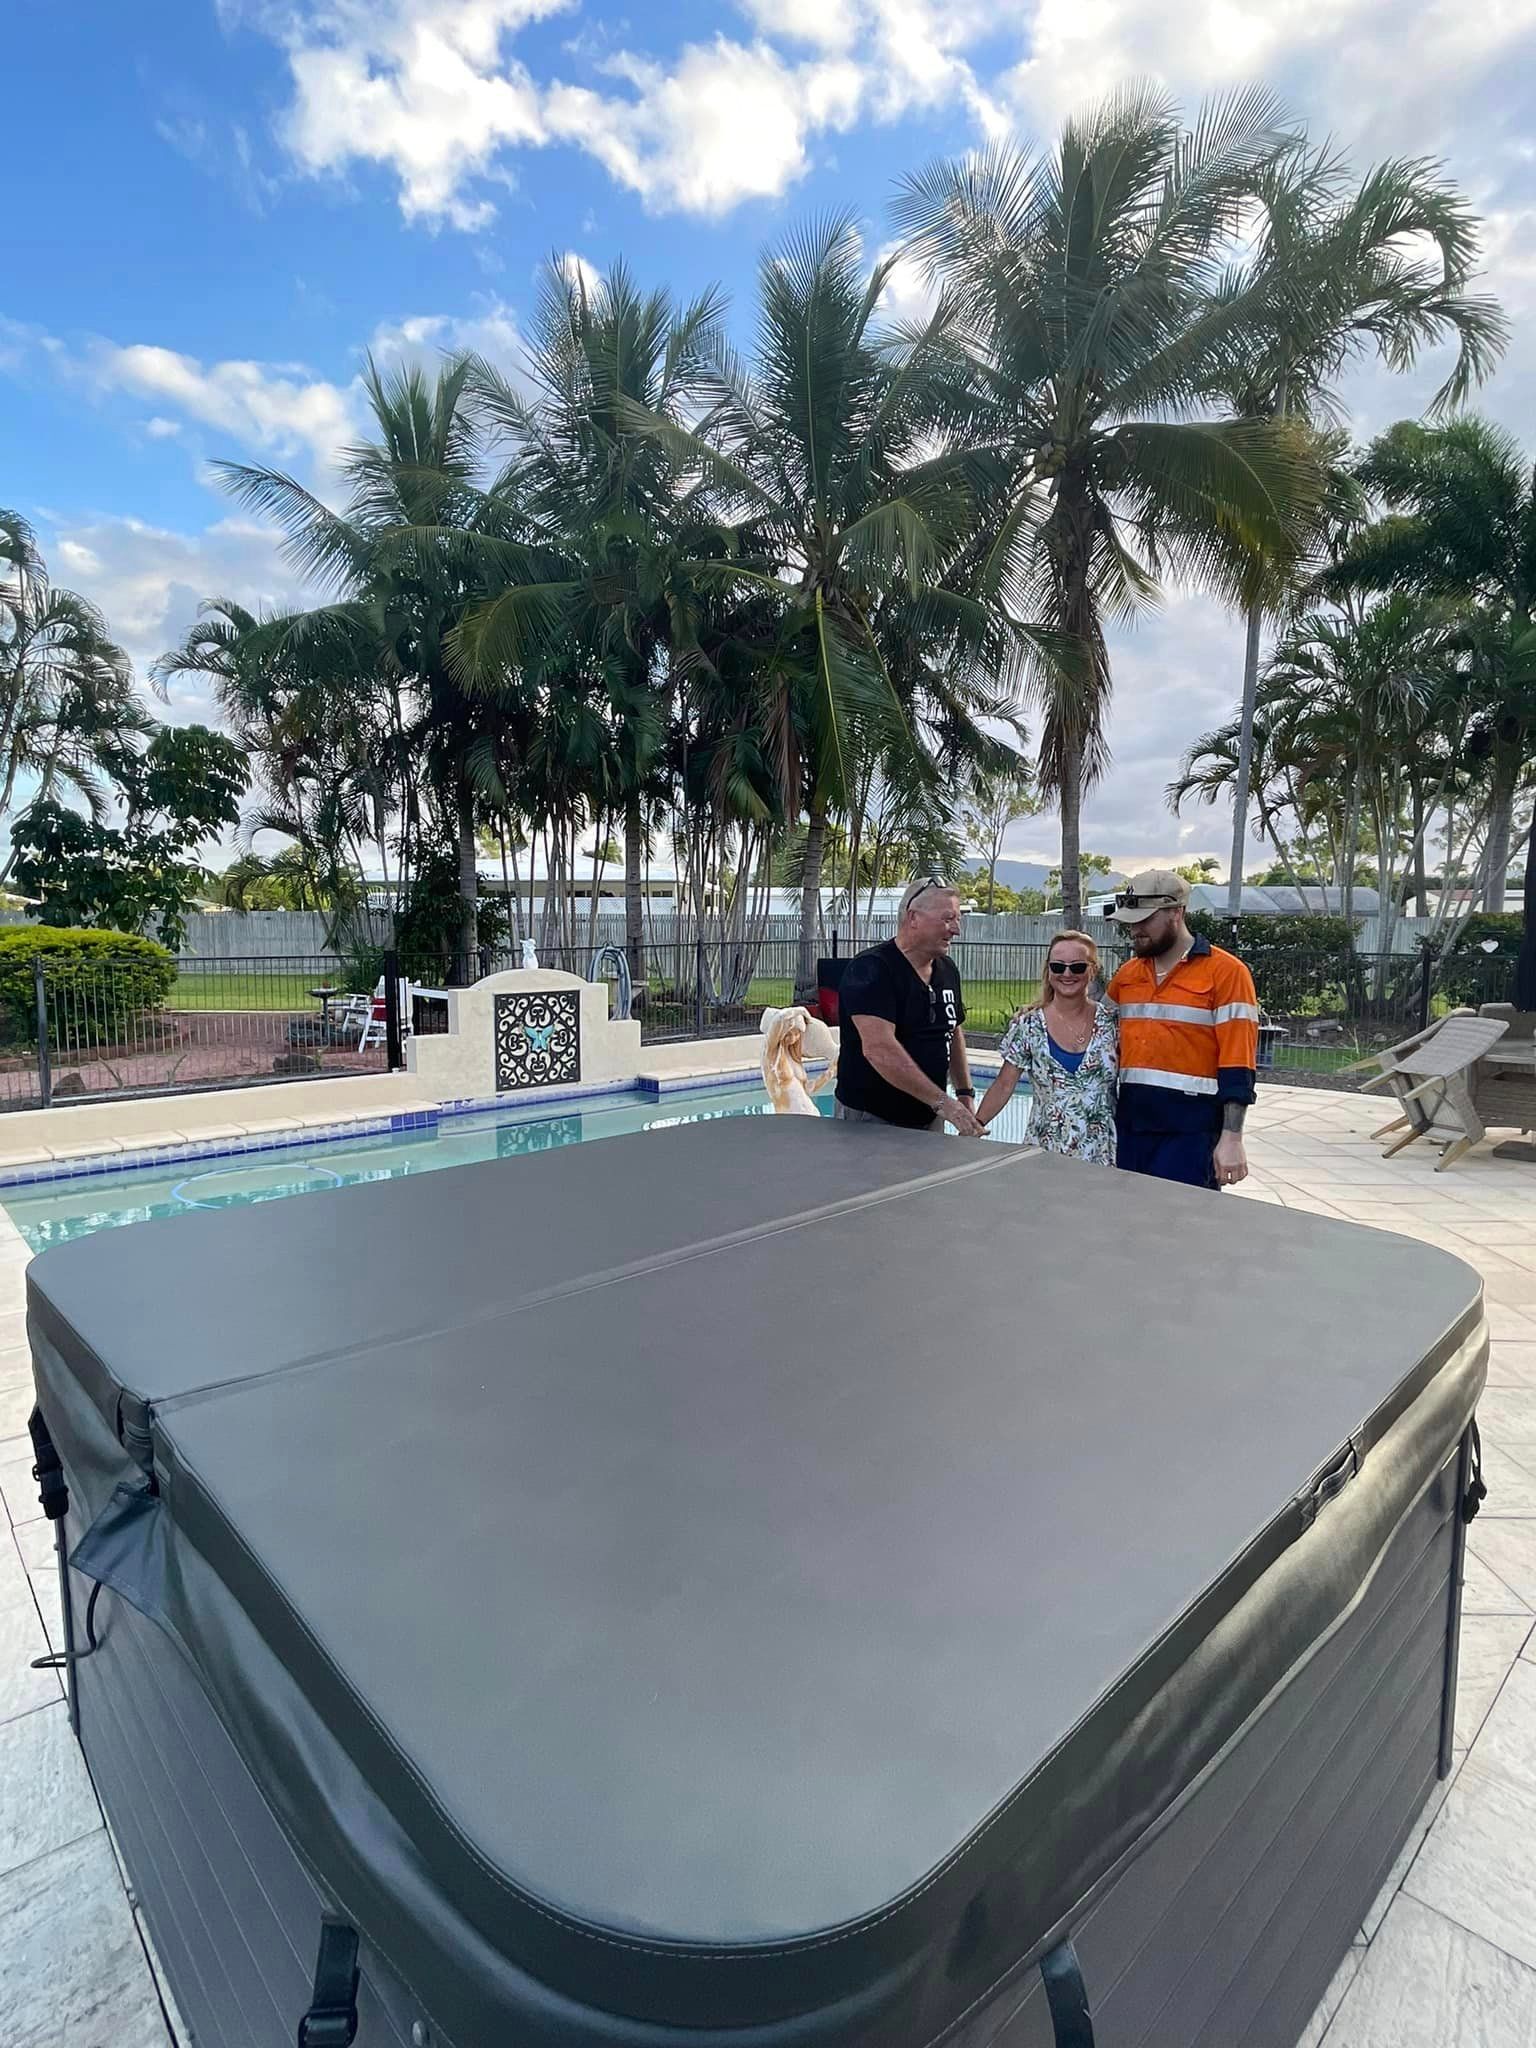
1204, 870
179, 792
994, 803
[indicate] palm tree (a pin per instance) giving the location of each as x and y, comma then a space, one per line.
1337, 274
1089, 285
409, 559
68, 708
311, 698
606, 502
826, 451
1461, 525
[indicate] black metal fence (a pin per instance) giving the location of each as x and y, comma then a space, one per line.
80, 1031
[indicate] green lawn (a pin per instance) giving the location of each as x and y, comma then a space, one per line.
242, 989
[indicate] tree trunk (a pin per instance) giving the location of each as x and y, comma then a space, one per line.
1244, 761
1420, 878
1525, 966
810, 905
1501, 821
466, 967
1070, 804
634, 891
1350, 851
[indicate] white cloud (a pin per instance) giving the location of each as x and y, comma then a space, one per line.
827, 24
278, 407
427, 337
150, 580
424, 86
159, 429
909, 295
727, 123
434, 91
576, 269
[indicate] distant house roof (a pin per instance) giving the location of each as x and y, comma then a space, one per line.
1284, 902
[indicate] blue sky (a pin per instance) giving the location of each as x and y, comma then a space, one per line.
234, 199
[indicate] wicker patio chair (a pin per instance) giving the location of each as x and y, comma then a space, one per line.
1432, 1080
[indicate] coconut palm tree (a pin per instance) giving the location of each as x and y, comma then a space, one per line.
1338, 272
1461, 525
605, 502
68, 708
1089, 283
411, 555
826, 453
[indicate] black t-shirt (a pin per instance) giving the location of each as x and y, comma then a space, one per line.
884, 983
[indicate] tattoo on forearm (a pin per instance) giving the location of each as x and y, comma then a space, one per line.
1232, 1114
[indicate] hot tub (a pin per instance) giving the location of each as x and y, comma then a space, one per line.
769, 1583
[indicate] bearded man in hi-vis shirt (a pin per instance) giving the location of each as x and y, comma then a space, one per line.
1189, 1039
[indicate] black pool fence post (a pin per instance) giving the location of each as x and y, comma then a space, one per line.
834, 942
1426, 980
698, 988
44, 1063
393, 1049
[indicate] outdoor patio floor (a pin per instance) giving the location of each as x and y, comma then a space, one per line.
1447, 1955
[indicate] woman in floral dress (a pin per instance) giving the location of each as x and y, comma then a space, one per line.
1066, 1048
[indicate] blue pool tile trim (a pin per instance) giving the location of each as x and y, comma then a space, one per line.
653, 1087
387, 1123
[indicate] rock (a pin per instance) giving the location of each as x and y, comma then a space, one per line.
296, 1063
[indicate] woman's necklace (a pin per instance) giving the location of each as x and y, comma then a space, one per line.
1074, 1035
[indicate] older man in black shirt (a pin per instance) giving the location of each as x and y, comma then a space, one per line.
901, 1017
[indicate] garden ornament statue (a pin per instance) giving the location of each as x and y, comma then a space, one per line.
530, 956
791, 1038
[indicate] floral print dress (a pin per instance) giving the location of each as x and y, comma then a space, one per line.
1071, 1113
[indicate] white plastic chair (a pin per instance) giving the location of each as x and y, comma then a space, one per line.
376, 1026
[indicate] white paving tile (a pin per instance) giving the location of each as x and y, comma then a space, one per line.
1512, 1365
70, 1956
17, 1400
23, 1690
1490, 1644
1511, 1485
1483, 1592
45, 1792
1478, 1866
35, 1543
1508, 1548
1508, 1416
1426, 1983
1506, 1746
18, 1489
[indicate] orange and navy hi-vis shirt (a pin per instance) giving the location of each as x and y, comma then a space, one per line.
1187, 1044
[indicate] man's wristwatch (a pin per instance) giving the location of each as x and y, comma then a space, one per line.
965, 1093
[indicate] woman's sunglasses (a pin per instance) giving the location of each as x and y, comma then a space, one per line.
1066, 966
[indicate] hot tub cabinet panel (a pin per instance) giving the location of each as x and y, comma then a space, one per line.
761, 1583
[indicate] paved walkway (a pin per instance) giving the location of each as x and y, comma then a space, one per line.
1447, 1955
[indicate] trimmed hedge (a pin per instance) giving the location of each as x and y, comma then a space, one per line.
101, 980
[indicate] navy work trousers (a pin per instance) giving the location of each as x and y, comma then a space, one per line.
1187, 1156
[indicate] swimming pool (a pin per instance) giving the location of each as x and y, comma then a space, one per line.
53, 1212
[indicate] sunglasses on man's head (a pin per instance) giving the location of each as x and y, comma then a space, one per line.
1067, 966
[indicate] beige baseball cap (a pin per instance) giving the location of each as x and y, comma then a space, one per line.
1145, 895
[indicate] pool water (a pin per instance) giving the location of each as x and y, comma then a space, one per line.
56, 1211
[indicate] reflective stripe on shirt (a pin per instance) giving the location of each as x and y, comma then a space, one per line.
1160, 1077
1227, 1011
1178, 1013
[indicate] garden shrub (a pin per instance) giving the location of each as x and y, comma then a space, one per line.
1468, 975
97, 982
